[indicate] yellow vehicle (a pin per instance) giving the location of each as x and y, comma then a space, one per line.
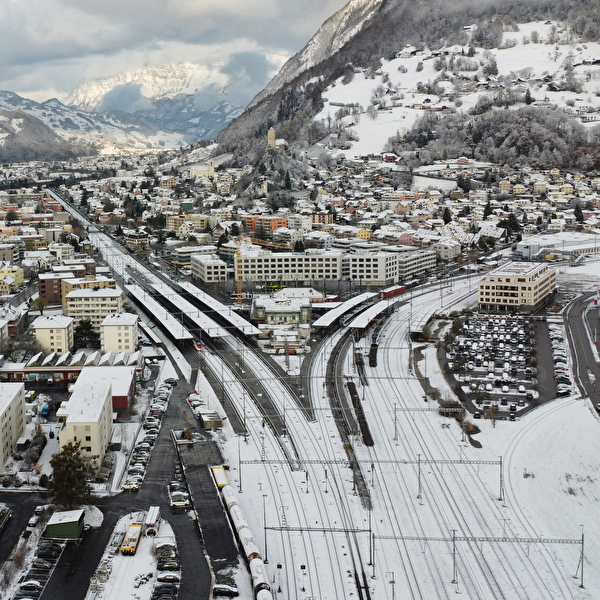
131, 539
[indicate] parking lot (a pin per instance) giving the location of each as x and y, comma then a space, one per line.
501, 363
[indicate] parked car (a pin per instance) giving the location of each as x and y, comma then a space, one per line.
168, 565
33, 521
40, 563
32, 585
168, 578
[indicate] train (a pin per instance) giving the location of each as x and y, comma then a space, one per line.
260, 580
392, 291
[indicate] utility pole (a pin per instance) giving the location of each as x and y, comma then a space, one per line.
266, 561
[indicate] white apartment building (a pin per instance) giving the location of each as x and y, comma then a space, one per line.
375, 268
93, 304
263, 265
208, 268
61, 251
87, 418
371, 265
447, 249
287, 236
516, 286
54, 333
412, 264
301, 222
119, 333
12, 417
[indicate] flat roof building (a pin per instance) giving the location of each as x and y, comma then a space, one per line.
93, 304
12, 417
208, 268
517, 286
119, 333
54, 333
87, 418
120, 378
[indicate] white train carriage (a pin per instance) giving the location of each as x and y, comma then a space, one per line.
229, 497
249, 546
237, 518
264, 595
259, 575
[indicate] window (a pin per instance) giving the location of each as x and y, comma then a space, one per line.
88, 438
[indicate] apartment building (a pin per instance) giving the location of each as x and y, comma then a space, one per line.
119, 333
54, 333
263, 265
182, 256
61, 251
49, 285
413, 264
9, 270
12, 417
517, 286
373, 268
208, 268
87, 418
266, 224
93, 282
298, 221
93, 304
9, 252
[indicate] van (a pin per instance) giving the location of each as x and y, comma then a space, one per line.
521, 389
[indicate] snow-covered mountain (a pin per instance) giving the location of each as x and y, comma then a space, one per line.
338, 30
63, 129
152, 82
194, 100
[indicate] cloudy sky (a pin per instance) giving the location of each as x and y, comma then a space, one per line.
49, 47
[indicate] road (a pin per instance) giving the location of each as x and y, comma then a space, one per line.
582, 321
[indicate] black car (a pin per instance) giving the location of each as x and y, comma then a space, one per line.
168, 578
164, 588
48, 551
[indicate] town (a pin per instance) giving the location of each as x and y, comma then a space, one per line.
138, 288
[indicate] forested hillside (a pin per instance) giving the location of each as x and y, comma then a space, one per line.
430, 23
537, 137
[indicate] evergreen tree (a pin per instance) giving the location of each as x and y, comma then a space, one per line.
578, 213
68, 481
85, 336
447, 216
487, 211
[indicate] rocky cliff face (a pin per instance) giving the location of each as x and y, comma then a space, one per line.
338, 30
